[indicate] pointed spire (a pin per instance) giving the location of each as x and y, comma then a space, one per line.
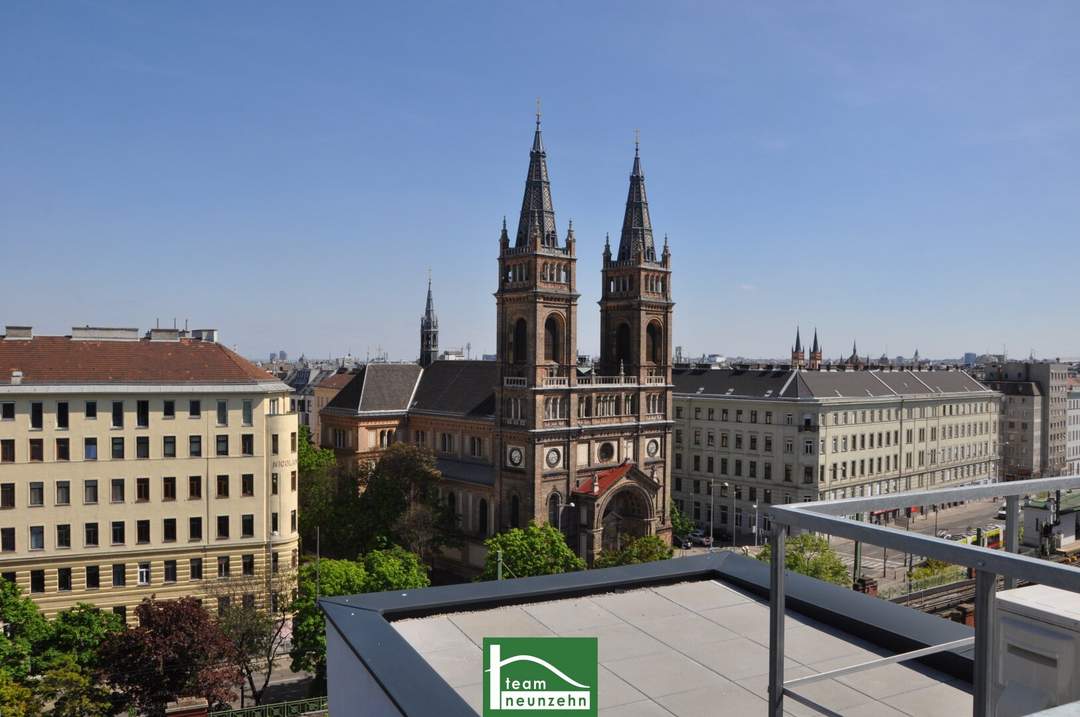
798, 340
429, 310
637, 235
537, 200
504, 237
815, 348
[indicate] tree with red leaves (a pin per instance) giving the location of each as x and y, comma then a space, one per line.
178, 650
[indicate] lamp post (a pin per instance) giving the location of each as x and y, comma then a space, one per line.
731, 518
755, 525
712, 513
561, 508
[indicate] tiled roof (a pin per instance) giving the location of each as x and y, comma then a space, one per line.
378, 387
604, 479
461, 388
1016, 388
337, 380
61, 360
787, 383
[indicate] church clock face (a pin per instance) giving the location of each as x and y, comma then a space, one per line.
554, 457
516, 456
653, 447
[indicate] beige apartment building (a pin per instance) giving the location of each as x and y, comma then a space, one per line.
134, 466
782, 435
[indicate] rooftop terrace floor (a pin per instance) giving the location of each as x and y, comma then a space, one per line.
689, 649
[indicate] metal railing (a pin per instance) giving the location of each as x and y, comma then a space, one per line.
293, 708
831, 518
515, 381
607, 381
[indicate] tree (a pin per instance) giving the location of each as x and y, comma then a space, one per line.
178, 650
73, 691
25, 632
330, 514
810, 554
78, 633
258, 632
534, 550
310, 458
394, 569
644, 549
681, 526
324, 579
17, 700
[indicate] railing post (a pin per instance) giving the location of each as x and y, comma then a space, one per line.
1012, 532
776, 621
985, 587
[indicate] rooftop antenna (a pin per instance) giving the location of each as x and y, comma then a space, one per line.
537, 113
637, 140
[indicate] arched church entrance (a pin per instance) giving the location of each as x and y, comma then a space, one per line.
627, 515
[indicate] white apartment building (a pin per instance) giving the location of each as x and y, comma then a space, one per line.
132, 466
764, 436
1072, 446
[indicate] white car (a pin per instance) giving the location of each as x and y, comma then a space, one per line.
698, 537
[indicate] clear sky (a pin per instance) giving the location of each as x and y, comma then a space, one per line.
904, 174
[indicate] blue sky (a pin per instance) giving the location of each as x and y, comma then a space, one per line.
904, 174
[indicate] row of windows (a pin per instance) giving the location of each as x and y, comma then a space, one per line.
118, 447
118, 489
843, 417
118, 532
118, 412
447, 443
736, 469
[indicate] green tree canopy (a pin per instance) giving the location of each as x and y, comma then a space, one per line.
680, 524
534, 550
645, 549
25, 633
394, 569
73, 691
310, 458
79, 633
17, 700
810, 554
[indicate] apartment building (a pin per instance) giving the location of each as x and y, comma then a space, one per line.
132, 466
761, 436
1052, 378
1072, 443
1021, 428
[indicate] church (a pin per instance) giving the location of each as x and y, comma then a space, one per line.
532, 436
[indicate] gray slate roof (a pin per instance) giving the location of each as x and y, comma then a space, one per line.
478, 473
378, 387
459, 388
791, 384
1016, 388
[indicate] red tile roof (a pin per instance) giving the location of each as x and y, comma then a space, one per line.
605, 479
59, 360
337, 380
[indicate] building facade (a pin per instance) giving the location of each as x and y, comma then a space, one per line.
1052, 378
1021, 428
1072, 443
132, 467
745, 438
532, 436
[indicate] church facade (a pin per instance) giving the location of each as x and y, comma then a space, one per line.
532, 436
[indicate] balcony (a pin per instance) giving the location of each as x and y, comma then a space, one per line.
515, 382
655, 380
607, 381
555, 381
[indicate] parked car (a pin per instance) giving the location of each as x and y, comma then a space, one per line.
698, 537
682, 541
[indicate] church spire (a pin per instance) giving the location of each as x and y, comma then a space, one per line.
637, 236
429, 330
536, 204
798, 340
815, 349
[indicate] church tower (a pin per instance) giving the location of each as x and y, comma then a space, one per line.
536, 308
815, 353
798, 358
429, 331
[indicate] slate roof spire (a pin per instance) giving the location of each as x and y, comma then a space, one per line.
798, 340
815, 348
536, 204
637, 234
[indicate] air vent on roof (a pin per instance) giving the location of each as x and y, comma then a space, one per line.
210, 335
163, 334
18, 332
102, 333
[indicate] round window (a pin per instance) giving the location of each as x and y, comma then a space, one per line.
607, 452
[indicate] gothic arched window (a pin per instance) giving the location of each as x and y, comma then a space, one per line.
654, 343
554, 504
520, 341
622, 345
552, 339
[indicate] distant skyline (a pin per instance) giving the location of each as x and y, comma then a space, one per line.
904, 176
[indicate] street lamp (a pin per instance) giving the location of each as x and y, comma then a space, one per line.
755, 525
712, 513
731, 518
561, 508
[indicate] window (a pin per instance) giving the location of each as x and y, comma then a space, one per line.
292, 520
223, 566
292, 480
7, 411
195, 528
7, 450
121, 612
274, 444
274, 522
37, 581
117, 490
223, 486
118, 414
118, 448
7, 540
194, 487
93, 576
142, 531
273, 484
247, 563
90, 534
90, 494
7, 495
223, 603
144, 573
168, 447
168, 488
37, 449
63, 535
63, 579
90, 449
222, 445
195, 569
62, 414
247, 444
222, 413
247, 484
118, 532
222, 527
194, 409
142, 490
63, 449
195, 446
247, 526
168, 530
142, 414
170, 571
37, 537
168, 409
35, 415
37, 493
247, 413
119, 575
292, 442
90, 410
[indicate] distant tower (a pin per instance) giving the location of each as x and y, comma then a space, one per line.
429, 331
854, 360
798, 358
815, 353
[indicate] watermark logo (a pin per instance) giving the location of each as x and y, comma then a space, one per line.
540, 675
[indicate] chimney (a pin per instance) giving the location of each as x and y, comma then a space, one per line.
16, 377
18, 332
